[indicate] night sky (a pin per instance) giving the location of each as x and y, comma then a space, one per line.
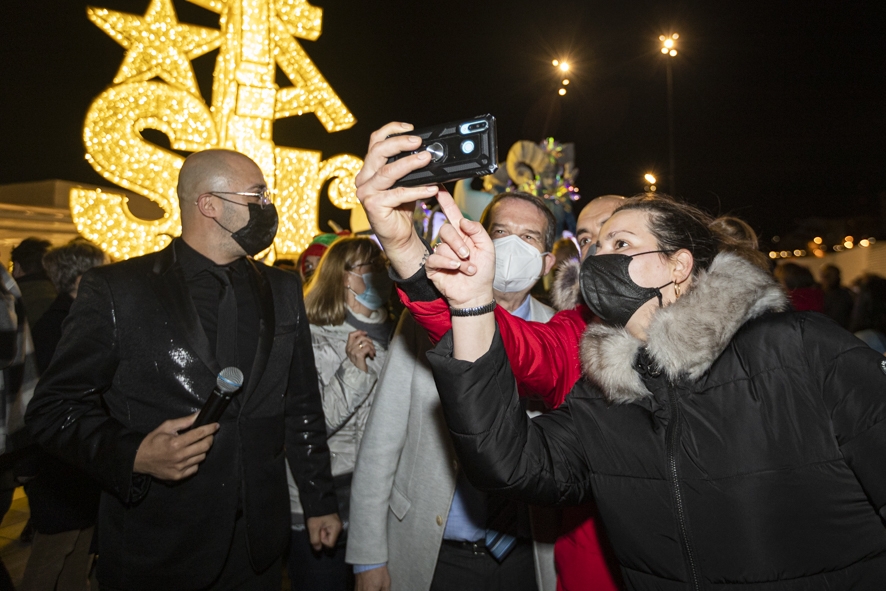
780, 104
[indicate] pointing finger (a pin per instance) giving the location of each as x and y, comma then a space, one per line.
454, 239
448, 206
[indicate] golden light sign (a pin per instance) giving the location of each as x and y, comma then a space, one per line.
255, 37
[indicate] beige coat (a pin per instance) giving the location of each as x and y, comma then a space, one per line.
406, 470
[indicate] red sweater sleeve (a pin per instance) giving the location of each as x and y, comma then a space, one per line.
544, 356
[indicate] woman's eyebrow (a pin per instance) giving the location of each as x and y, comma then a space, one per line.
614, 232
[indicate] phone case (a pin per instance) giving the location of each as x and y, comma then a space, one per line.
459, 149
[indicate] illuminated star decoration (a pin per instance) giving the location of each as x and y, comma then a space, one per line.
158, 45
256, 38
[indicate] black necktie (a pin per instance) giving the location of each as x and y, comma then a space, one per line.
226, 327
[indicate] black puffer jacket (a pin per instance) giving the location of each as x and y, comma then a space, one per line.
740, 448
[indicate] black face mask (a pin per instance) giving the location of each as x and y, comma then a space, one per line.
609, 291
259, 231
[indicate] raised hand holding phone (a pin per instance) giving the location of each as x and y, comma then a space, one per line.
390, 209
445, 152
463, 265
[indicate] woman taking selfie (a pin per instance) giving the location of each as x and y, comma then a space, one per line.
346, 301
727, 443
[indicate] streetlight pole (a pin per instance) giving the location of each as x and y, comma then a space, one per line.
669, 49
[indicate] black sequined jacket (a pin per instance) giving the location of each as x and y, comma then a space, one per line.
133, 354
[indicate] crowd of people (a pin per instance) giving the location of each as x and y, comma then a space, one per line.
647, 405
859, 308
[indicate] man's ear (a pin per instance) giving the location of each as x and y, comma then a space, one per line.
548, 261
681, 265
207, 206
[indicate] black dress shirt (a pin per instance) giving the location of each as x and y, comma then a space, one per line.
205, 291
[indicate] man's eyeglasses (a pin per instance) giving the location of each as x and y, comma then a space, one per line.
263, 196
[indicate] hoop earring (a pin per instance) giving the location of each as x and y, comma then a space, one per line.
677, 289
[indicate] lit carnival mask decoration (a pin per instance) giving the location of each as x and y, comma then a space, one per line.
546, 169
255, 37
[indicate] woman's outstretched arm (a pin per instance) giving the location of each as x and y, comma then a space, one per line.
539, 461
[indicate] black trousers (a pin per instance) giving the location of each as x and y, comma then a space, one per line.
469, 568
237, 573
317, 571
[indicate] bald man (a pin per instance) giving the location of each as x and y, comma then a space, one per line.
590, 220
208, 507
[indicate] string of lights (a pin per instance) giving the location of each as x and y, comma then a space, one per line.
819, 249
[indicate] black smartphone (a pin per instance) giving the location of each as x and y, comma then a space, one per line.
459, 150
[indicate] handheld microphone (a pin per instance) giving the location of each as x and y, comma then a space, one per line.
228, 383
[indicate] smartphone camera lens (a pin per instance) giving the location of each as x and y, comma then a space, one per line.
467, 147
466, 128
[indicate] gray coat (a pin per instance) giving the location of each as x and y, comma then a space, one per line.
406, 470
346, 392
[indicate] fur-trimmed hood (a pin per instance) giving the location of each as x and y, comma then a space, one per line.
686, 337
565, 292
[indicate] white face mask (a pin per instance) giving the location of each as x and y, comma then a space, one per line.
518, 265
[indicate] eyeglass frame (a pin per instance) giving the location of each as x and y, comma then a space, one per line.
376, 266
264, 197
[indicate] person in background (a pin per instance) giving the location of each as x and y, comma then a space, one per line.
310, 258
63, 500
803, 291
564, 249
65, 266
838, 300
741, 233
869, 315
37, 290
346, 300
18, 377
38, 294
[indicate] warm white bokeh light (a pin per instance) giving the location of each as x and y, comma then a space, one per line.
669, 44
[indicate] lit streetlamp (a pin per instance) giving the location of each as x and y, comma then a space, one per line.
560, 69
650, 182
669, 50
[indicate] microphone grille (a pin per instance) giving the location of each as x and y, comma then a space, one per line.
229, 380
